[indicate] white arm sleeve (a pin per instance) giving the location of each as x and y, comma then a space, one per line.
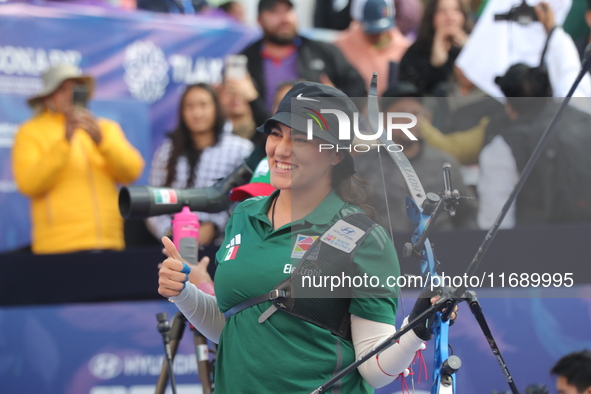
366, 335
202, 311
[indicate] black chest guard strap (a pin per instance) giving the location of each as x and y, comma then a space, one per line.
309, 293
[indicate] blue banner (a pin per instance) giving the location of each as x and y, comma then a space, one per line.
98, 349
141, 62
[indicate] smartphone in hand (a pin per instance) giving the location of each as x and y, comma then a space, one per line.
235, 67
80, 96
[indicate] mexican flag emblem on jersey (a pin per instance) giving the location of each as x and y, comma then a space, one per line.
233, 247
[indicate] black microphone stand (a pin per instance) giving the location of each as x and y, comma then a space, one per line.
164, 329
176, 334
452, 297
204, 365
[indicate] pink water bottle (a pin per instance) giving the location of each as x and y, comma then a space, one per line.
185, 234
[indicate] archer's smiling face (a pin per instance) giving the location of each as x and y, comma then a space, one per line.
296, 162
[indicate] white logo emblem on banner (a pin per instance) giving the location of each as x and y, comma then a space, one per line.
146, 71
105, 366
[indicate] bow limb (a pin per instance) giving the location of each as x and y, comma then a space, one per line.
416, 191
419, 212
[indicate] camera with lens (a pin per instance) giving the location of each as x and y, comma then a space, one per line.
523, 14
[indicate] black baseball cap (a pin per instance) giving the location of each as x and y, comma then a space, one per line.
304, 102
268, 4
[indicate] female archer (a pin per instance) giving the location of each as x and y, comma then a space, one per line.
273, 336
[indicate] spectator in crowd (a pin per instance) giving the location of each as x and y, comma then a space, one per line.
498, 168
443, 31
236, 108
408, 16
282, 55
462, 117
469, 111
195, 155
235, 92
465, 104
373, 43
427, 162
507, 45
69, 164
573, 373
558, 188
337, 15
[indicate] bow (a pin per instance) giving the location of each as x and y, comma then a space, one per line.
421, 213
422, 209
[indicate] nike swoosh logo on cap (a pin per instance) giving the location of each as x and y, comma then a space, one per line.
299, 97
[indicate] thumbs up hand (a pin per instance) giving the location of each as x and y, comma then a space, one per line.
173, 273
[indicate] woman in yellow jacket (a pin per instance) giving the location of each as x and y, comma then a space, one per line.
70, 164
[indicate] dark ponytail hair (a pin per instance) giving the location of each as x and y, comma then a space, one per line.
182, 143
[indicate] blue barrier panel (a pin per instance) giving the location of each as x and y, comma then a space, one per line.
115, 347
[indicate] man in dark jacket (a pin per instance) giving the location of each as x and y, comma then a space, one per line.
282, 55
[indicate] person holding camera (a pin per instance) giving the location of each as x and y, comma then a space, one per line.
313, 224
69, 164
558, 189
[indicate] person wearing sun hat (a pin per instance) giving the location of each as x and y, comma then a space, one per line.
54, 77
266, 240
69, 164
